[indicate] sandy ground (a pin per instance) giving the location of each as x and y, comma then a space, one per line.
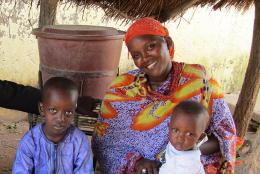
10, 134
14, 124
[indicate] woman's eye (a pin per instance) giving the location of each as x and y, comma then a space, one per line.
135, 56
52, 110
151, 46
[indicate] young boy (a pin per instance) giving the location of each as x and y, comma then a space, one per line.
55, 146
186, 133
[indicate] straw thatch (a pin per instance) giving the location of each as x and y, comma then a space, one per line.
160, 9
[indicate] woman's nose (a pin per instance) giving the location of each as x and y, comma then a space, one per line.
144, 57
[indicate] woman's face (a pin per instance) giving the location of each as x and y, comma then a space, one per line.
151, 55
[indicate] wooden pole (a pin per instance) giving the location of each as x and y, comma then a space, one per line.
247, 98
47, 12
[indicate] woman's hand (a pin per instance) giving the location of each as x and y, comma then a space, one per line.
144, 164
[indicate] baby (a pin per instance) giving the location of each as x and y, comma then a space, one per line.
186, 133
55, 146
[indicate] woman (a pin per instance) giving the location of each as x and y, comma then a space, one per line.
132, 127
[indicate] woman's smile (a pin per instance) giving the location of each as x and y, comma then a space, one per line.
151, 66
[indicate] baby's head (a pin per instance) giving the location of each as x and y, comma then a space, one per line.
58, 105
188, 123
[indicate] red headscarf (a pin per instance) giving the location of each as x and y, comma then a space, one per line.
147, 26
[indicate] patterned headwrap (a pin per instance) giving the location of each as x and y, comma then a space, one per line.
147, 26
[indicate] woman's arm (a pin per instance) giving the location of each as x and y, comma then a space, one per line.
19, 97
223, 128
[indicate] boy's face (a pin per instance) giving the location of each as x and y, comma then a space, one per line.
184, 131
58, 108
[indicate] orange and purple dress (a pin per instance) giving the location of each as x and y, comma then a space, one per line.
133, 121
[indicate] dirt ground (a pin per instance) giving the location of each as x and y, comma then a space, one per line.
14, 124
10, 134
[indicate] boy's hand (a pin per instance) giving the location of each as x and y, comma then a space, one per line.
145, 164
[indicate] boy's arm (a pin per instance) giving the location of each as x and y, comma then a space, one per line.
23, 163
84, 160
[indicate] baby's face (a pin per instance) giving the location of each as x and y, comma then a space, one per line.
184, 131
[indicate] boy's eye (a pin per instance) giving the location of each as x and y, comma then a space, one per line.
68, 113
52, 110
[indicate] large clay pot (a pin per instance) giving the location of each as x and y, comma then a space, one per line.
89, 55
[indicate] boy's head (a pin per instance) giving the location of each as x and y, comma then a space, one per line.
188, 123
59, 102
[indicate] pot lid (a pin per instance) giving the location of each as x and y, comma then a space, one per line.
80, 30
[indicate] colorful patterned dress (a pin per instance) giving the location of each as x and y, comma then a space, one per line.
133, 122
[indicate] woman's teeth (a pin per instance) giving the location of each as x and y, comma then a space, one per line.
151, 65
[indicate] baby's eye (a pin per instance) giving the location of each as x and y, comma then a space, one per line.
189, 134
174, 130
52, 110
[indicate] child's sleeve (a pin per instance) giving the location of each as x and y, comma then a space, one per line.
23, 163
84, 160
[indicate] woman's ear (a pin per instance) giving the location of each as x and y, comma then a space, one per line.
40, 107
169, 42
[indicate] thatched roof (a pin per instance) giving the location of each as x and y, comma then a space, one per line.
160, 9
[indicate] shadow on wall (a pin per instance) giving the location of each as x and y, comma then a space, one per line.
229, 73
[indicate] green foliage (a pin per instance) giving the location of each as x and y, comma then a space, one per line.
11, 127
